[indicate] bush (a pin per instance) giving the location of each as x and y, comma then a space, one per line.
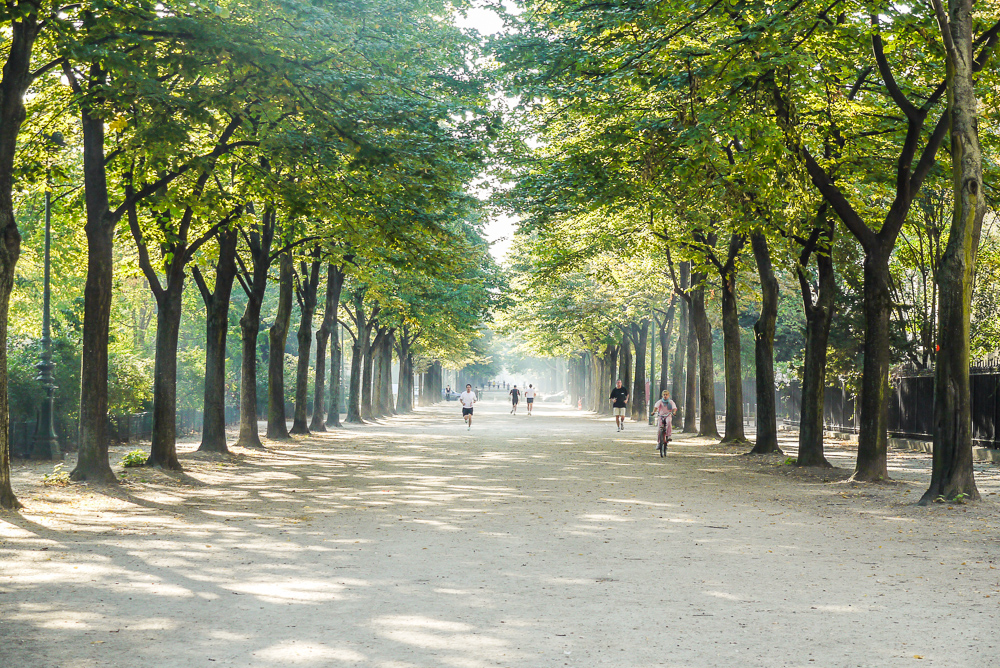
58, 478
134, 458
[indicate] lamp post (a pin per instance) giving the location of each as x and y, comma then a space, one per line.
45, 444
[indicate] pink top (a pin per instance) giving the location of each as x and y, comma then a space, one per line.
667, 407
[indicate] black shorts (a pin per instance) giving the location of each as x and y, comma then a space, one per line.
530, 400
515, 402
466, 411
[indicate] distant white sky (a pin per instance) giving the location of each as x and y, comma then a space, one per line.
499, 228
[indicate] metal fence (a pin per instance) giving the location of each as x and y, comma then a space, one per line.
131, 428
911, 406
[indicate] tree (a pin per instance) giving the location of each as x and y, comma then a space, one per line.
952, 473
213, 431
306, 285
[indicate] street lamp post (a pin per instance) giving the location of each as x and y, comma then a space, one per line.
45, 444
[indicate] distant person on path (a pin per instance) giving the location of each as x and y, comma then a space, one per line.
619, 402
515, 396
664, 410
468, 398
529, 396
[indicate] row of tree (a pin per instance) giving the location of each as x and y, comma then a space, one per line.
709, 132
232, 141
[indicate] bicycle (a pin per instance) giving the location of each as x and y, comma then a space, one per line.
663, 434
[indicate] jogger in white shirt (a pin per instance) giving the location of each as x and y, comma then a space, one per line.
529, 396
468, 398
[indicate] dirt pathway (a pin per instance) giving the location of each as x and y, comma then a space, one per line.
528, 542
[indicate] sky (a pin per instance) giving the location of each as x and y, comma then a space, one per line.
499, 228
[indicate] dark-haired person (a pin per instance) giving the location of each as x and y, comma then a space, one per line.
619, 402
529, 396
515, 396
468, 399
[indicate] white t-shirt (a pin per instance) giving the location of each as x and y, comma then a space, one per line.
529, 393
467, 398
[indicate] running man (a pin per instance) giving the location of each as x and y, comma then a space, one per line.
529, 396
468, 398
619, 402
515, 396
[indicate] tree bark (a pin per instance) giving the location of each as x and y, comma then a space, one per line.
639, 333
385, 402
819, 317
690, 362
872, 462
367, 377
92, 460
609, 373
169, 305
666, 332
625, 364
952, 474
334, 284
13, 85
732, 348
307, 287
249, 328
277, 427
706, 366
404, 396
767, 419
213, 431
336, 362
354, 391
254, 283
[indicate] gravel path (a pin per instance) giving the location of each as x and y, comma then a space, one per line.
527, 542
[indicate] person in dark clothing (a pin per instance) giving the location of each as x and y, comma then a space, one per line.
515, 396
619, 402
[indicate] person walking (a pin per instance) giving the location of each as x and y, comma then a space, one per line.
619, 402
529, 396
468, 399
515, 396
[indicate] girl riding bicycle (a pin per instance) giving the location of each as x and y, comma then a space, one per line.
664, 410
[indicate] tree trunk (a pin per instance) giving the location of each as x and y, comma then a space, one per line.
386, 402
15, 81
666, 332
610, 374
763, 330
308, 282
819, 316
213, 430
169, 305
277, 427
260, 238
379, 408
952, 474
404, 396
354, 391
334, 283
336, 364
706, 366
625, 365
732, 348
92, 462
10, 250
367, 372
250, 328
872, 462
640, 334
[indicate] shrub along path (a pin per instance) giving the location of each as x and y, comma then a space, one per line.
531, 542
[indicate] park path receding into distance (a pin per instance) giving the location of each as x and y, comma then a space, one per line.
540, 541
